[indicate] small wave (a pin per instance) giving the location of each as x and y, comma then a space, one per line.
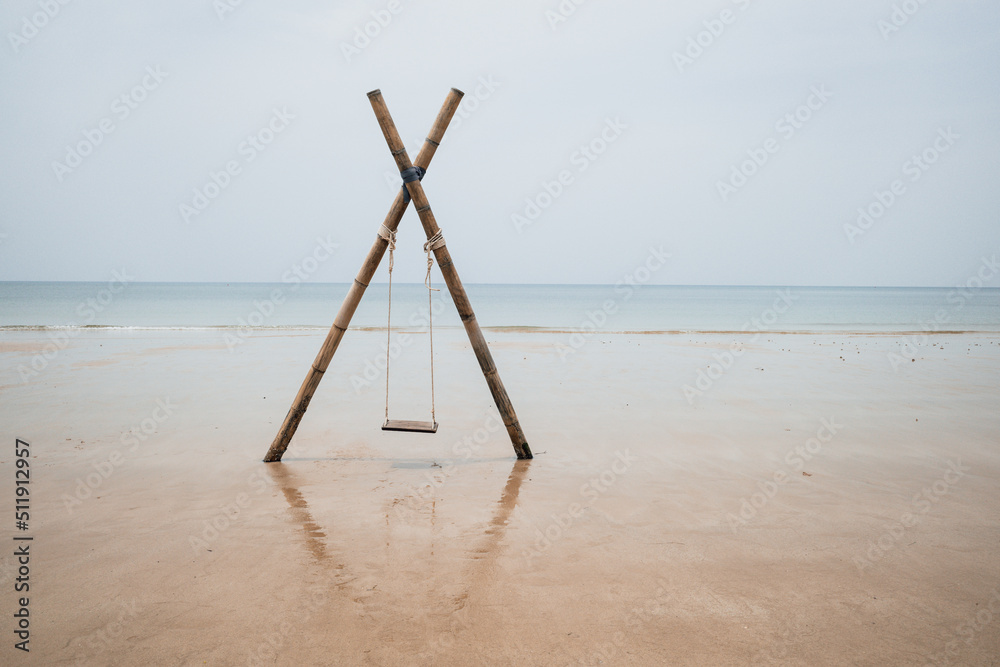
511, 329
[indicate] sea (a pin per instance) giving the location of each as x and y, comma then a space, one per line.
600, 308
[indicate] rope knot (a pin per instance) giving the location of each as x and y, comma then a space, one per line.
390, 237
433, 243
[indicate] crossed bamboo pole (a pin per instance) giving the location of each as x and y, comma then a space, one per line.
413, 190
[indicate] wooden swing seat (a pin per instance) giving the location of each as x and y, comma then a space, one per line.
410, 426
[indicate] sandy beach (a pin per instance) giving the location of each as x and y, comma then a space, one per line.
813, 503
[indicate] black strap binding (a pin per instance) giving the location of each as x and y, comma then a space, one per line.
410, 175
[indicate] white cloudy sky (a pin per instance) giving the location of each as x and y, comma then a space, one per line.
554, 87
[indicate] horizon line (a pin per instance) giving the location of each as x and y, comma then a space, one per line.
299, 283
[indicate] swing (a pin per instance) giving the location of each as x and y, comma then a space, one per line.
410, 172
403, 424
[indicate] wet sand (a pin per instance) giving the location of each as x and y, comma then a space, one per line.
813, 505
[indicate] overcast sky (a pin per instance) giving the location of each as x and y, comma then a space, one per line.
740, 136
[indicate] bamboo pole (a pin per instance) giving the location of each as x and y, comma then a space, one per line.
452, 280
357, 290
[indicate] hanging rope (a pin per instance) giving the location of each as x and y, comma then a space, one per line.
390, 236
432, 244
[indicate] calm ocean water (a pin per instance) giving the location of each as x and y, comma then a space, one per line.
606, 308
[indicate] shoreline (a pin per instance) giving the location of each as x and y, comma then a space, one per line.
15, 328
